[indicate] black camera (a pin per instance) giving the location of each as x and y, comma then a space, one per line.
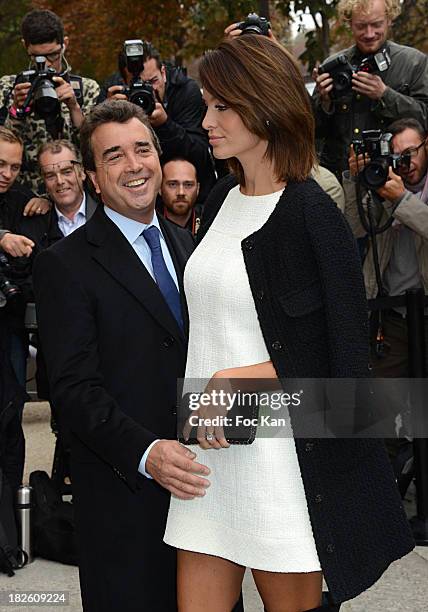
378, 147
341, 70
42, 92
139, 92
254, 24
8, 289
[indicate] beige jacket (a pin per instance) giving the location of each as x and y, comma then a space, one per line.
411, 211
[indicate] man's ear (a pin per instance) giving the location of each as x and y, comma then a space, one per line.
65, 43
93, 178
197, 189
23, 43
163, 72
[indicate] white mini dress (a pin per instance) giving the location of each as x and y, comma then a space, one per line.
255, 511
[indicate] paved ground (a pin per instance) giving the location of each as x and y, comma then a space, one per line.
403, 588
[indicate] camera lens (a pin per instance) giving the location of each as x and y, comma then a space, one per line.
46, 103
144, 99
375, 174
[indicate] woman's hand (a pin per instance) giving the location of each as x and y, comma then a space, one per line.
213, 408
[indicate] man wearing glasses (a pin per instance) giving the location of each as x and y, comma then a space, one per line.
393, 84
43, 35
402, 248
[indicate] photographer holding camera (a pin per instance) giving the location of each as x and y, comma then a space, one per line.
174, 104
369, 85
402, 249
47, 102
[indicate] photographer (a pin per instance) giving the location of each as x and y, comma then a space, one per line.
15, 247
177, 115
402, 248
70, 96
369, 85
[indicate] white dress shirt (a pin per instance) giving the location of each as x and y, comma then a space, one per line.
66, 225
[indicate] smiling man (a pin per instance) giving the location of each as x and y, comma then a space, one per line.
393, 84
117, 291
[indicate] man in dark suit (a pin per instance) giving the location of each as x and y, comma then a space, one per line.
114, 289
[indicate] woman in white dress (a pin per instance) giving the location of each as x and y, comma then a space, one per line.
258, 309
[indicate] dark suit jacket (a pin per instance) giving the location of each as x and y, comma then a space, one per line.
113, 371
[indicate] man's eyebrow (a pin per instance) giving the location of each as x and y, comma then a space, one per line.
111, 150
143, 143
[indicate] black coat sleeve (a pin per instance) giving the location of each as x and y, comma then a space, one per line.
68, 332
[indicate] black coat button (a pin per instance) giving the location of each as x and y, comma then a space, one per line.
168, 341
318, 499
277, 346
309, 446
260, 294
330, 548
248, 244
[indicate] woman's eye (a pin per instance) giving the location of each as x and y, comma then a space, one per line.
221, 107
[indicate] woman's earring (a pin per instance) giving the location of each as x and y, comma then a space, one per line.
267, 123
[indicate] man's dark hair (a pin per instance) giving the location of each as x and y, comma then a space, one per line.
41, 26
152, 53
407, 124
110, 111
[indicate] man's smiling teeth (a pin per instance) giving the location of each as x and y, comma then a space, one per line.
136, 183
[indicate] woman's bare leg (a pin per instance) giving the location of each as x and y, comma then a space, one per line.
293, 592
206, 583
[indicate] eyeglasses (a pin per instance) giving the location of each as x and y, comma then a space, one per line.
65, 169
51, 57
413, 151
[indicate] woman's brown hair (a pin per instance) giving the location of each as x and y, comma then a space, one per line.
261, 81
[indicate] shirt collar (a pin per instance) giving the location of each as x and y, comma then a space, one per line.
130, 228
82, 211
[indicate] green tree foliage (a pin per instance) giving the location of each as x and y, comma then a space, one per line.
13, 58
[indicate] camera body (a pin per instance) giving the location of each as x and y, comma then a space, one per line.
42, 92
9, 291
139, 92
378, 146
254, 24
341, 70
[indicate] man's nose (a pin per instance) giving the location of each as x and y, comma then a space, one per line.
133, 162
370, 31
180, 189
7, 172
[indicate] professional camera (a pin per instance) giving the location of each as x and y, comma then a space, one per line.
378, 148
341, 70
8, 289
42, 92
139, 92
254, 24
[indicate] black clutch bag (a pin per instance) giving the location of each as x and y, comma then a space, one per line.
239, 422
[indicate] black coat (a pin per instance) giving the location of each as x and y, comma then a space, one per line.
306, 281
112, 372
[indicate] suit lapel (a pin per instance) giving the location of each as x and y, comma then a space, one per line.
114, 253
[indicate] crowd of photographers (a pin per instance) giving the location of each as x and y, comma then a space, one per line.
371, 110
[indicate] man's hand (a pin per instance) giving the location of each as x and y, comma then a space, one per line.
371, 85
65, 93
158, 116
115, 92
324, 85
394, 187
16, 246
233, 31
36, 206
173, 467
20, 92
356, 164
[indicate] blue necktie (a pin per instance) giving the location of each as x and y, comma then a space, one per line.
163, 277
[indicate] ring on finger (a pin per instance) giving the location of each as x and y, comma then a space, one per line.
209, 437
